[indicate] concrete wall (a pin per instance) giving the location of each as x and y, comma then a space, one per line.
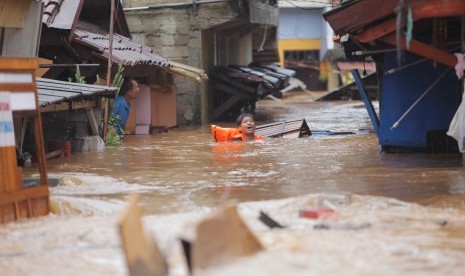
297, 23
175, 33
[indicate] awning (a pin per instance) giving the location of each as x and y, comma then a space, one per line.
129, 53
55, 92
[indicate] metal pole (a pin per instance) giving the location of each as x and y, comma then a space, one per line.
395, 70
396, 124
69, 65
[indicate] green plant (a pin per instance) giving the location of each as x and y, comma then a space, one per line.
118, 78
115, 134
113, 137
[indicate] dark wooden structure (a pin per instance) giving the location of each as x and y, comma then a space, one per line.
285, 129
240, 87
375, 30
17, 77
413, 44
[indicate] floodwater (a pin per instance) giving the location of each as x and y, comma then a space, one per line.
408, 209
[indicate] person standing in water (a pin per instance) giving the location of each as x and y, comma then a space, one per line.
245, 131
122, 105
246, 126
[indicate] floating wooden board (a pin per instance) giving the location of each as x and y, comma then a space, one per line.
143, 256
286, 129
219, 239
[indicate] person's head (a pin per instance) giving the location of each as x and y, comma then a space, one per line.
129, 88
246, 124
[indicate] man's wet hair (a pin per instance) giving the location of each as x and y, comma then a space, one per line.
241, 118
126, 86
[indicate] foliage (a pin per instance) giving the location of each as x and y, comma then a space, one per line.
118, 79
77, 76
114, 138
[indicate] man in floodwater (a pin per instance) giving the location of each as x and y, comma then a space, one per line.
122, 105
245, 130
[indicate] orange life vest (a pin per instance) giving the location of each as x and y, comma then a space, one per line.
221, 134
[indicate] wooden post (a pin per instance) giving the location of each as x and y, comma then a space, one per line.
110, 63
19, 86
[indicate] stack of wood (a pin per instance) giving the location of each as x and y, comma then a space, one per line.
239, 87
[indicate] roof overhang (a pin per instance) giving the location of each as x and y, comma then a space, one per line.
367, 27
128, 53
54, 92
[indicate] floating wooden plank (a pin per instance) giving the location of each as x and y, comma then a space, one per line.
143, 257
219, 239
286, 129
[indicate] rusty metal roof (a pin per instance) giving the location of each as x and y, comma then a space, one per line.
60, 14
124, 52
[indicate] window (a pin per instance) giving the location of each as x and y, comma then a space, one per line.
310, 58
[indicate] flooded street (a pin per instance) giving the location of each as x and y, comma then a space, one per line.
181, 175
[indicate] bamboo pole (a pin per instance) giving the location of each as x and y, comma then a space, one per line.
184, 73
110, 63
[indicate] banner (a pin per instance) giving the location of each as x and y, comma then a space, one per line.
7, 132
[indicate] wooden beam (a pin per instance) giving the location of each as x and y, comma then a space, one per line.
420, 10
225, 106
358, 14
233, 91
55, 107
83, 104
423, 50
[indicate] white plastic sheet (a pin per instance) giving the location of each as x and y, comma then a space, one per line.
457, 126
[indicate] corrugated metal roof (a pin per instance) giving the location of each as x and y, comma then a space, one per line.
53, 91
124, 52
60, 14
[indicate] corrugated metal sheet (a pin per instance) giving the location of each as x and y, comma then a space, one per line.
51, 9
53, 91
124, 52
60, 14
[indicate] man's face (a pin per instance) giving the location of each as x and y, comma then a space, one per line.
247, 125
135, 90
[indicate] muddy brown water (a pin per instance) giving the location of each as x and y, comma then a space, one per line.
183, 171
183, 167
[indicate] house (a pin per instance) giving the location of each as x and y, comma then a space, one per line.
77, 31
206, 34
304, 41
413, 44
